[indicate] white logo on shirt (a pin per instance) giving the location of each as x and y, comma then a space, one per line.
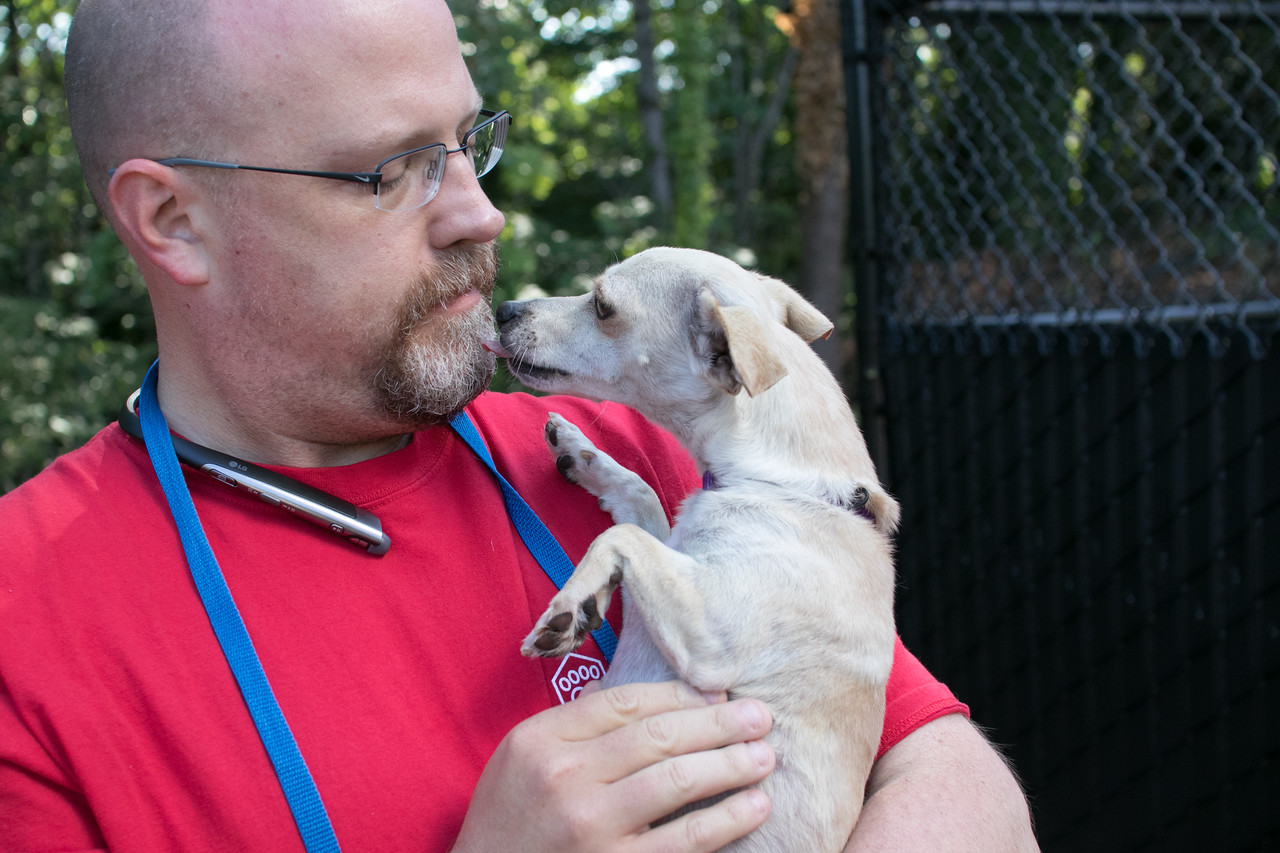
575, 670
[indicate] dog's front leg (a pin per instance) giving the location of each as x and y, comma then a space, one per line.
621, 492
660, 581
580, 605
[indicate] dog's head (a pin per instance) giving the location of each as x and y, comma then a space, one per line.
665, 329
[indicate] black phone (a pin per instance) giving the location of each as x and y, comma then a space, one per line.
345, 519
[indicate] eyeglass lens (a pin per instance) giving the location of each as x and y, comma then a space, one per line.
413, 179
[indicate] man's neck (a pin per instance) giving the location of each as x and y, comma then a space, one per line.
248, 439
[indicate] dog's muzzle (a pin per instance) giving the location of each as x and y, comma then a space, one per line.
510, 311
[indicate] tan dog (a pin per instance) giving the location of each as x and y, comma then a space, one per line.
777, 580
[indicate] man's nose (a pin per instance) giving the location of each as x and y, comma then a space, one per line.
461, 211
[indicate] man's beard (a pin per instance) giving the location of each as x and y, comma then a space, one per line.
436, 365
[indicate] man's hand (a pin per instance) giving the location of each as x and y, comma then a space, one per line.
593, 774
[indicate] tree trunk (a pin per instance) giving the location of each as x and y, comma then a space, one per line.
693, 136
651, 112
749, 147
822, 267
822, 163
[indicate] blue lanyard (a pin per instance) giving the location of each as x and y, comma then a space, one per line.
537, 538
229, 628
295, 779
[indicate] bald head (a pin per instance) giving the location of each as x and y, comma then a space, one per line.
141, 81
229, 79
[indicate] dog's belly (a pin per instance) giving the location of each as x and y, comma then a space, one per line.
637, 658
816, 788
822, 676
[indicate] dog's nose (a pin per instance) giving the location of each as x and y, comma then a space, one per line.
509, 311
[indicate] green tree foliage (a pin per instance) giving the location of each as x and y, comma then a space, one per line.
576, 182
75, 330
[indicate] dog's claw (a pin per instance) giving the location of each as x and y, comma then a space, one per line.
569, 446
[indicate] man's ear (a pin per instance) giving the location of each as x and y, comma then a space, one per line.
740, 355
155, 210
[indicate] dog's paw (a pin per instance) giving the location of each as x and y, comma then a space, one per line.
562, 628
575, 454
620, 492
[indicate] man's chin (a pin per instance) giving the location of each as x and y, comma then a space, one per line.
439, 363
417, 396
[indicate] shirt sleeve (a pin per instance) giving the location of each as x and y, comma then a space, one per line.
914, 697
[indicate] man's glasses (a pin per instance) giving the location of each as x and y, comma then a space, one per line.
412, 178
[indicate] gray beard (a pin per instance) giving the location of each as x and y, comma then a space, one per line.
427, 377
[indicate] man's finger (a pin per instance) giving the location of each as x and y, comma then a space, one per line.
599, 712
650, 740
710, 828
670, 785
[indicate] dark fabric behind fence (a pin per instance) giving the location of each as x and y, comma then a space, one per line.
1090, 556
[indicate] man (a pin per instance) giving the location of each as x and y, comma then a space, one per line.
327, 327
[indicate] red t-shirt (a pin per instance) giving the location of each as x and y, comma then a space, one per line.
122, 727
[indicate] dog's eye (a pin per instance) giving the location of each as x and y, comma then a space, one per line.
603, 309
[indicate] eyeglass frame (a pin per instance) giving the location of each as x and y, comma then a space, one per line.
372, 178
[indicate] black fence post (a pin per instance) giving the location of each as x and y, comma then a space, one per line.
860, 50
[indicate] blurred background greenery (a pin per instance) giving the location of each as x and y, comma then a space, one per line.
636, 124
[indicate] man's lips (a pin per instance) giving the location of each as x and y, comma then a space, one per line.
460, 305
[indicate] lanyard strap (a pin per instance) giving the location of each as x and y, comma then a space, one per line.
299, 788
537, 538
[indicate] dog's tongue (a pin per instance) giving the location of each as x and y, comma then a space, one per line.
495, 346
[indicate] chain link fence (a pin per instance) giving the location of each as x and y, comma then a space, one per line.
1109, 167
1066, 232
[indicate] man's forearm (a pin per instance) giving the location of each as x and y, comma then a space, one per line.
943, 788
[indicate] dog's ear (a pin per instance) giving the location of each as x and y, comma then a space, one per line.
739, 352
798, 315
